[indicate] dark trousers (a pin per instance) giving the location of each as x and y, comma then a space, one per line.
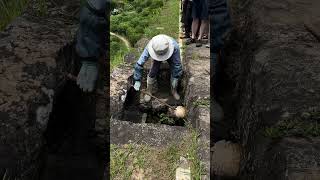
220, 24
154, 71
187, 16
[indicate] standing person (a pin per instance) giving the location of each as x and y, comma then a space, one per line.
91, 42
186, 17
221, 24
160, 48
200, 21
76, 104
91, 48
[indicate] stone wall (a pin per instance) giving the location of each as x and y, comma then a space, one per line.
273, 65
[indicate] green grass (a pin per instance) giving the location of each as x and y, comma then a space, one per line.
165, 119
159, 163
305, 125
193, 149
10, 9
138, 20
118, 51
167, 22
135, 17
118, 161
202, 103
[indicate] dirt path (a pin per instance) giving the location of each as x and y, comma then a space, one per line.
122, 38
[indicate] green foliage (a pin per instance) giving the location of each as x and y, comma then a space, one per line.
118, 161
202, 103
163, 162
165, 119
192, 152
118, 51
172, 156
9, 9
305, 125
135, 17
166, 21
142, 18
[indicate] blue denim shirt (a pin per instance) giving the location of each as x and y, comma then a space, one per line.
175, 65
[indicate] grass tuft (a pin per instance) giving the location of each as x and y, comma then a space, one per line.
305, 125
10, 9
133, 160
202, 103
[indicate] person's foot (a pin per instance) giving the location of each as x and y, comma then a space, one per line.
198, 43
190, 41
205, 36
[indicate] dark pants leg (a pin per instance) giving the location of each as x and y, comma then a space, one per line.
184, 11
188, 18
154, 69
220, 23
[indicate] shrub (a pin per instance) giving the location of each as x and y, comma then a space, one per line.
156, 4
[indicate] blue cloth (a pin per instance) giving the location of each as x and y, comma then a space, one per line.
200, 9
99, 6
175, 63
221, 23
93, 30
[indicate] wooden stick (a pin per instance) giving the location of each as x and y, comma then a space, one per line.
145, 92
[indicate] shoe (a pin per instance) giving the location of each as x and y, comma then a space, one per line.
198, 43
205, 36
190, 41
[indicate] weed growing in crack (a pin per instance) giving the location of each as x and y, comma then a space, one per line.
192, 152
134, 161
194, 56
305, 125
202, 103
172, 156
165, 119
118, 161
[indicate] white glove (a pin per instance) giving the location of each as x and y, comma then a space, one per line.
87, 76
137, 85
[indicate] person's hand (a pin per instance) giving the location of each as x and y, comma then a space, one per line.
87, 76
137, 85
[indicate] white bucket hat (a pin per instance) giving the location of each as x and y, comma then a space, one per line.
160, 47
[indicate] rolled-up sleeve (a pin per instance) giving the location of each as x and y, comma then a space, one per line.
176, 65
138, 67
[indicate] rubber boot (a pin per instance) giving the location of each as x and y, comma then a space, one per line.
174, 86
150, 88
